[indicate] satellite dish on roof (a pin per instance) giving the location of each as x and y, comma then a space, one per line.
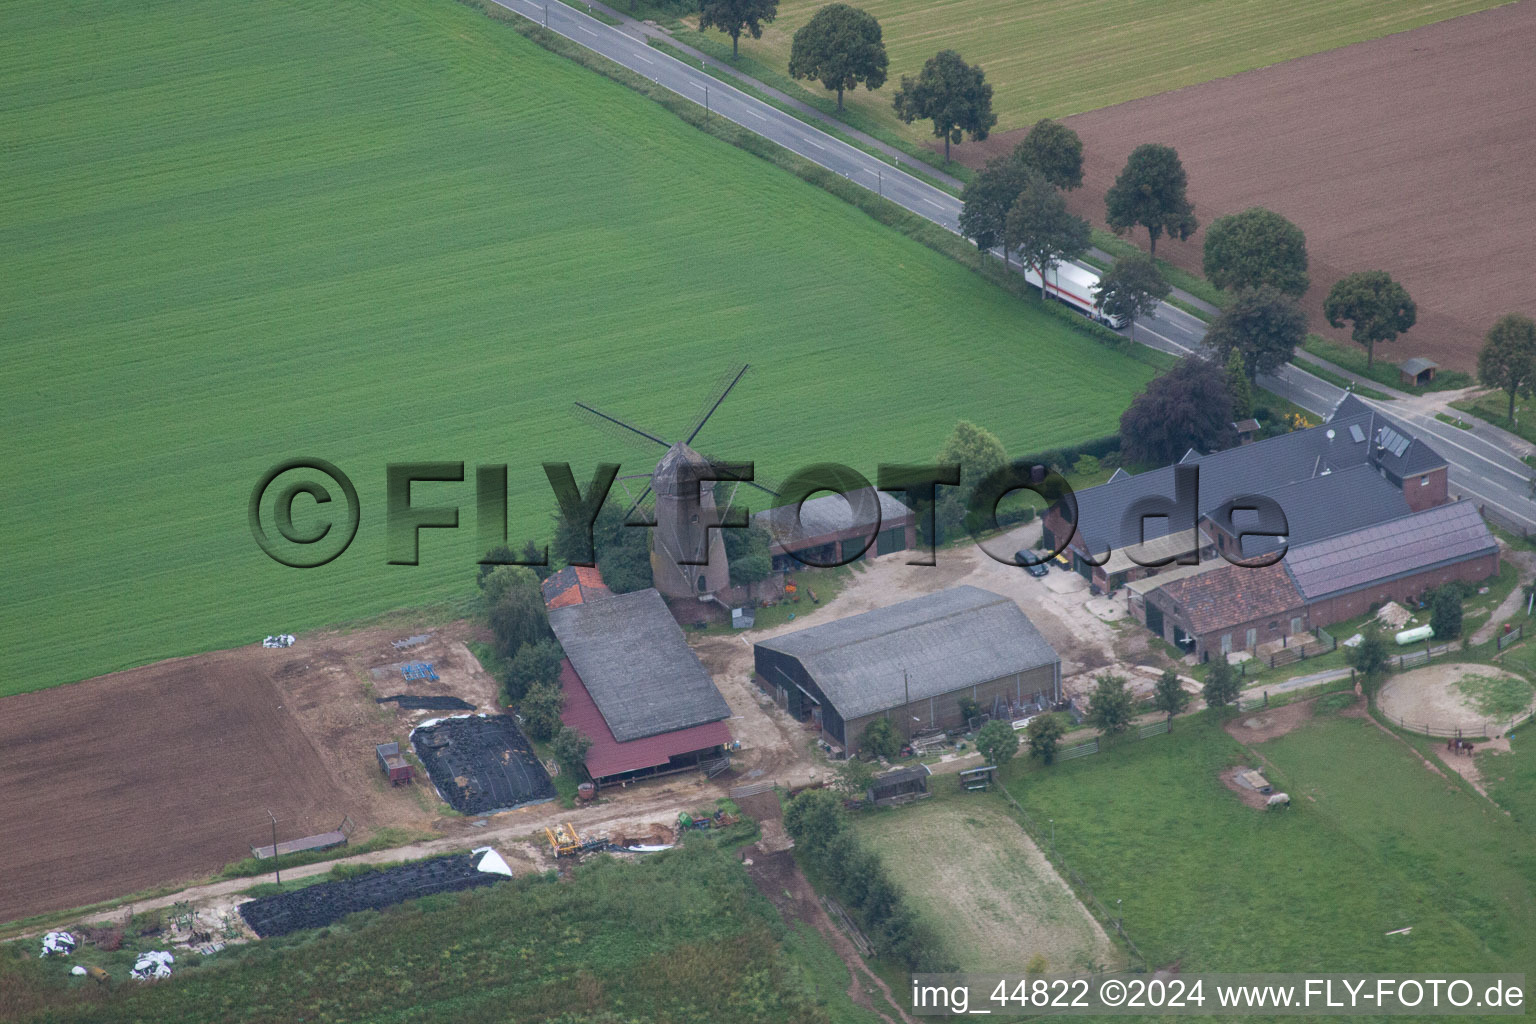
1329, 435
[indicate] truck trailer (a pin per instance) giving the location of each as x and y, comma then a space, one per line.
1076, 286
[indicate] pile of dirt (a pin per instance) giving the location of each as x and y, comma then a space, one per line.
318, 905
1269, 723
1250, 796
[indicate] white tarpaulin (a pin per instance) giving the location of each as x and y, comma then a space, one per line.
491, 862
153, 964
281, 640
58, 943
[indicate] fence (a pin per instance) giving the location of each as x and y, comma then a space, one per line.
1323, 644
1253, 703
1046, 841
1081, 750
1504, 522
1485, 730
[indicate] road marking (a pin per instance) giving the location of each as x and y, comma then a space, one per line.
647, 60
588, 31
1147, 330
808, 142
755, 114
936, 206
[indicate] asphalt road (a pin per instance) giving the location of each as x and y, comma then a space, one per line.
1481, 467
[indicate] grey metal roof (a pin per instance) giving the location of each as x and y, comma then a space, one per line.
1411, 543
826, 515
1417, 365
1349, 439
642, 675
942, 642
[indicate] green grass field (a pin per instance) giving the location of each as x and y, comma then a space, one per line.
1372, 842
682, 936
1060, 57
404, 232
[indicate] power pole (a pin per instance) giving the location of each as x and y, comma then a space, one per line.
276, 864
906, 709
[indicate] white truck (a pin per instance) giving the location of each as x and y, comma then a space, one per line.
1076, 286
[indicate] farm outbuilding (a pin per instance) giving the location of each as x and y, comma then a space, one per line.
1418, 371
635, 688
900, 786
834, 528
912, 663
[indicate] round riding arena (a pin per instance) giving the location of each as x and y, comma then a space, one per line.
1444, 698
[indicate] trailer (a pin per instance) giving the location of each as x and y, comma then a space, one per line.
1076, 286
395, 767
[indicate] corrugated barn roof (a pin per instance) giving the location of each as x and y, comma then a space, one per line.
941, 642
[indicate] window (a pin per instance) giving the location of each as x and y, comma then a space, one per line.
703, 586
1424, 480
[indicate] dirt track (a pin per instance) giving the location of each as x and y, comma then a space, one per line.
1410, 154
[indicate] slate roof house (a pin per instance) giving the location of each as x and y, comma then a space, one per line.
635, 688
1366, 522
910, 662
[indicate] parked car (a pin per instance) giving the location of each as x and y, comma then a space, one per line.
1030, 561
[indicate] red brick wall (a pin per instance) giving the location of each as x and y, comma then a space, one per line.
1421, 495
1347, 606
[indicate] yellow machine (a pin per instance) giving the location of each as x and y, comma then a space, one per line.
563, 839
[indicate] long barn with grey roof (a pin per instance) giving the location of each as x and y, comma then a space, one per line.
911, 662
635, 688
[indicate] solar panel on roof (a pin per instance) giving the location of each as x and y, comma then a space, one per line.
1356, 433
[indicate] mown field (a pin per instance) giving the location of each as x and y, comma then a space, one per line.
681, 936
1061, 57
1373, 842
982, 887
391, 233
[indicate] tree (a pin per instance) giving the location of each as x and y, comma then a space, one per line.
813, 820
570, 748
1132, 288
1264, 324
952, 94
1253, 248
1370, 658
1043, 230
1377, 306
1055, 151
623, 552
854, 777
1110, 706
880, 739
840, 46
1187, 407
734, 16
986, 200
1150, 192
1508, 358
535, 664
970, 710
1445, 612
977, 452
1221, 683
1168, 695
1238, 386
997, 742
540, 711
1045, 734
518, 617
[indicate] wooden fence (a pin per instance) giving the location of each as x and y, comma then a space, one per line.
1323, 643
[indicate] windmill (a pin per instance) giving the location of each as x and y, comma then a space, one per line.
687, 559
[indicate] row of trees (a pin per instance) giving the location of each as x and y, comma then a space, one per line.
857, 877
1015, 202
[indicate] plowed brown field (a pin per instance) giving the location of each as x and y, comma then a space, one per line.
1413, 154
166, 773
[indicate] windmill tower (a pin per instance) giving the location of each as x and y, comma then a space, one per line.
687, 559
